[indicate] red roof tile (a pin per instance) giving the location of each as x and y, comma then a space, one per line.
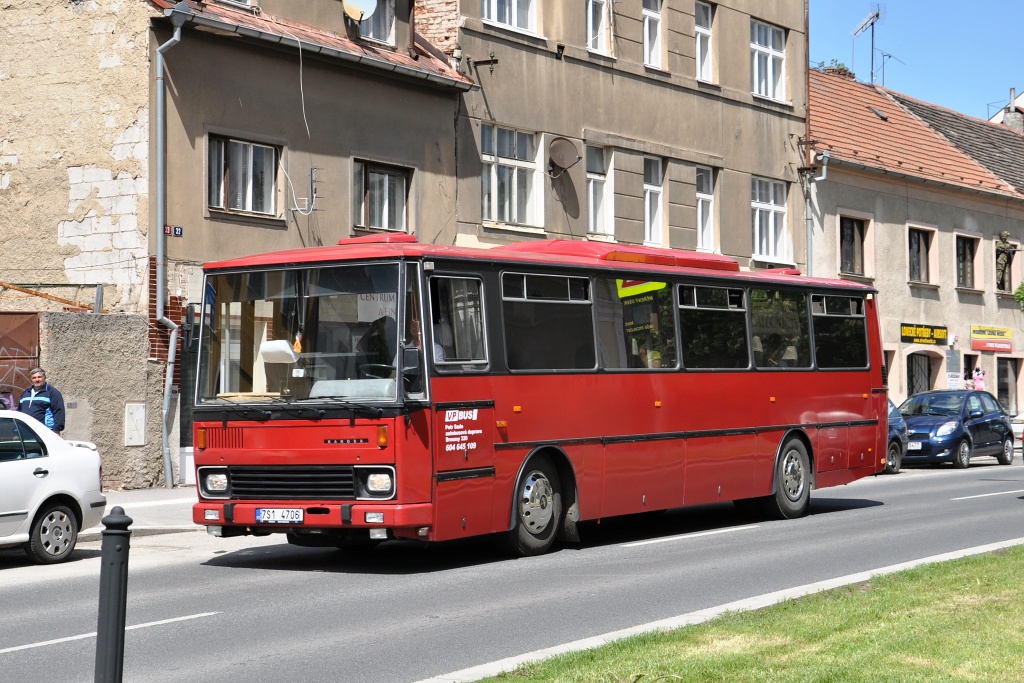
846, 118
425, 62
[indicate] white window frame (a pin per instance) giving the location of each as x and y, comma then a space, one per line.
391, 190
380, 25
929, 259
704, 54
508, 13
525, 177
769, 216
220, 175
652, 33
654, 185
767, 60
598, 26
705, 190
600, 209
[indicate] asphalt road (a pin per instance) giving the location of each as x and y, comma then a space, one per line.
256, 609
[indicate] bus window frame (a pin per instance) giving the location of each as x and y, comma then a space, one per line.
459, 367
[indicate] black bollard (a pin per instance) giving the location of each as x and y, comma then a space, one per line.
113, 597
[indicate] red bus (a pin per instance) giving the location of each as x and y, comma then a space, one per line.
382, 388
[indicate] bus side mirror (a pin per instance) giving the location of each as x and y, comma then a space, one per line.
411, 361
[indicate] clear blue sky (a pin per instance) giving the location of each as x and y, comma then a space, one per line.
960, 55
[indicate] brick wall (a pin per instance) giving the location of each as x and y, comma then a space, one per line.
159, 334
438, 22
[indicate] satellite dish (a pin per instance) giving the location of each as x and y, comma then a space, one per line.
562, 153
359, 10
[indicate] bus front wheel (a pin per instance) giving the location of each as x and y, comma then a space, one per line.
792, 483
537, 511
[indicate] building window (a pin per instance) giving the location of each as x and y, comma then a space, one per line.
381, 24
1007, 371
919, 247
242, 176
516, 13
378, 197
851, 245
919, 373
599, 192
597, 25
702, 20
509, 175
768, 207
653, 181
966, 251
705, 208
1006, 269
767, 60
652, 33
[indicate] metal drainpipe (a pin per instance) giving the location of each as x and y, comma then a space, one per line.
161, 242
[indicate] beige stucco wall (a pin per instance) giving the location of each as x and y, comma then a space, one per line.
74, 134
99, 364
322, 116
890, 205
617, 102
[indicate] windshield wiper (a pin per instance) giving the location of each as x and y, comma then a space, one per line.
354, 408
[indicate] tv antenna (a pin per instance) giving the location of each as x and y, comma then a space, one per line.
869, 22
886, 56
562, 155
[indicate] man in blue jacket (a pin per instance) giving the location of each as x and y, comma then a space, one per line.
43, 402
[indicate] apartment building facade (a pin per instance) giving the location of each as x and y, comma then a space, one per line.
927, 205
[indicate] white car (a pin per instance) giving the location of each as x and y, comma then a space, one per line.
1017, 425
50, 488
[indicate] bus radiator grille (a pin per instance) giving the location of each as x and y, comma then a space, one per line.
293, 482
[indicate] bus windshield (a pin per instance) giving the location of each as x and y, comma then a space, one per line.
301, 334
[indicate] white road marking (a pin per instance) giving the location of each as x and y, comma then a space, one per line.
475, 673
93, 634
986, 495
683, 537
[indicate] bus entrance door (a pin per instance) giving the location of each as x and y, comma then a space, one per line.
464, 453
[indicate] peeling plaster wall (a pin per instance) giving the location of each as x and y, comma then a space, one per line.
74, 151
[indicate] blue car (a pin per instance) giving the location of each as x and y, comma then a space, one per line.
955, 425
897, 440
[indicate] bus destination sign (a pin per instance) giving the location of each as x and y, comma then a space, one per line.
923, 334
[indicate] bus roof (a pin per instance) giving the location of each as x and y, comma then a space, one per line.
573, 253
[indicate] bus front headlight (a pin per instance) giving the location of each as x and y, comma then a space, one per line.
378, 482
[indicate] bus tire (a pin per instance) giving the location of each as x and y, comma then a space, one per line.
792, 494
537, 513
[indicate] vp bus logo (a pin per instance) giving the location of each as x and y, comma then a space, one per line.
457, 415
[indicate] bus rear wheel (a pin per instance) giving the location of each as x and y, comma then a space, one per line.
537, 511
792, 494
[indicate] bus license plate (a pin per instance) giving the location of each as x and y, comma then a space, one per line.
279, 515
912, 446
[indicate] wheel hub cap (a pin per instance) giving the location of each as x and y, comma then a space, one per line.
535, 506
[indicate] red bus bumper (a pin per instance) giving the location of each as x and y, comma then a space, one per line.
405, 521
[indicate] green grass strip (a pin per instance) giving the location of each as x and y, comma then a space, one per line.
957, 621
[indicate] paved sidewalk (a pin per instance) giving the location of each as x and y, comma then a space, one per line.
153, 511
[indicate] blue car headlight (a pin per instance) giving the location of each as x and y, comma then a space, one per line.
946, 428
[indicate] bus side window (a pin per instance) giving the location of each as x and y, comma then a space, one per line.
457, 323
780, 321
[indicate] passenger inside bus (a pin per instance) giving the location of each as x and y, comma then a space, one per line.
380, 343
